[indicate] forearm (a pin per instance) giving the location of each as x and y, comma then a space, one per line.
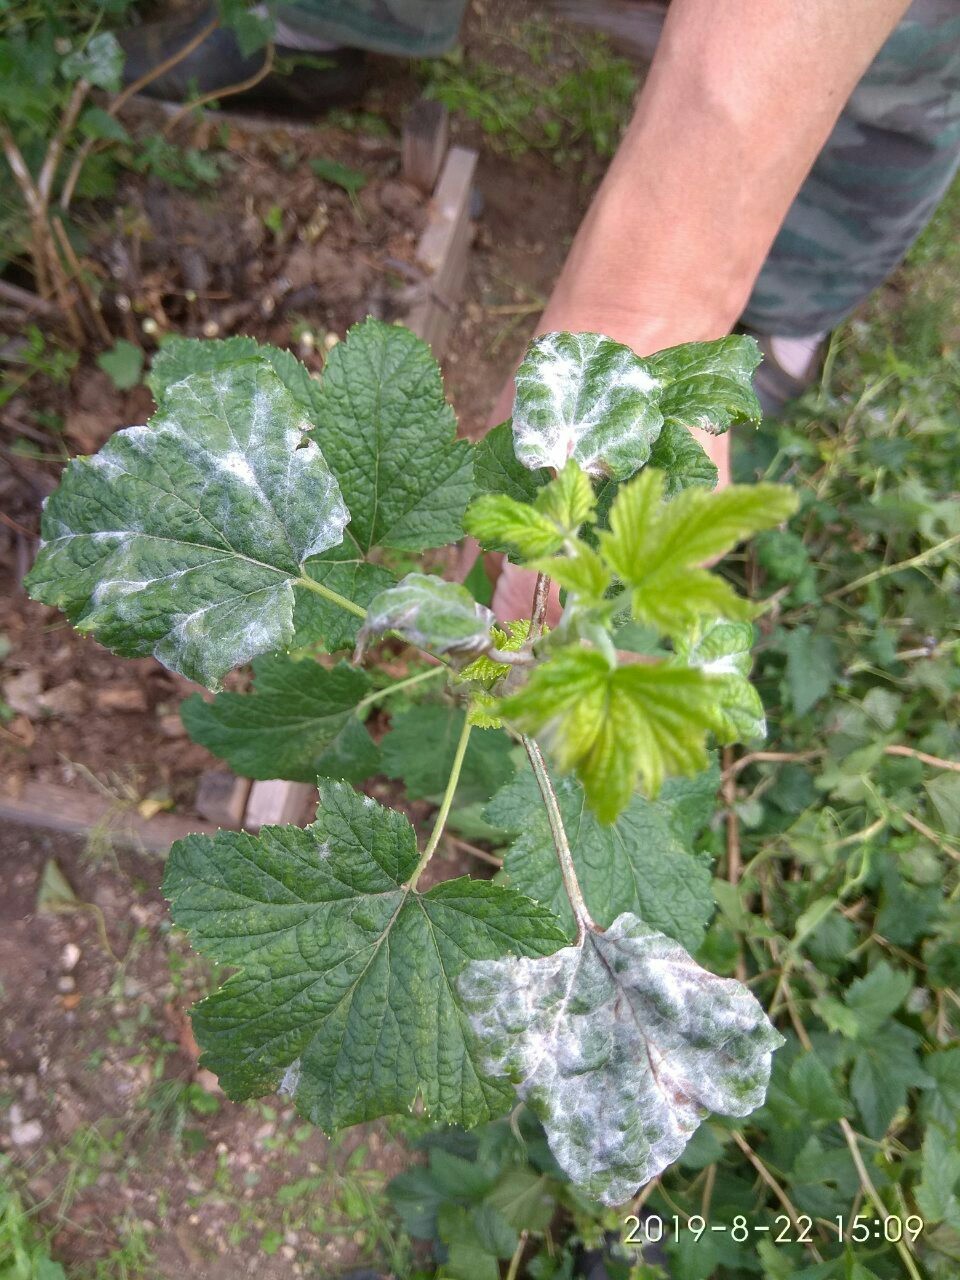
740, 99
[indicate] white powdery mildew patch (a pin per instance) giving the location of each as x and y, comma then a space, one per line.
221, 504
439, 616
620, 1046
586, 397
291, 1080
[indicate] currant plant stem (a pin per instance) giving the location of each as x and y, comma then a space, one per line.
445, 805
408, 683
333, 596
560, 843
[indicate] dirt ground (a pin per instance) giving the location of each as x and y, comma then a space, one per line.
129, 1148
132, 1155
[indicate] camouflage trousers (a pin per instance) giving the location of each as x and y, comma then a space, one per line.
875, 185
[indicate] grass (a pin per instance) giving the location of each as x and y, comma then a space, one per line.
550, 91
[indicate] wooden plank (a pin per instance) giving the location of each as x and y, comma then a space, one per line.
277, 802
44, 804
426, 131
222, 797
443, 250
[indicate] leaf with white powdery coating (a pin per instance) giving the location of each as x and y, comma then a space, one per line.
179, 357
318, 620
586, 397
709, 384
441, 617
299, 722
635, 864
184, 538
346, 992
621, 1046
389, 436
722, 650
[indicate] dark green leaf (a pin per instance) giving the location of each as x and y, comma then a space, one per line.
420, 746
299, 721
345, 992
635, 864
388, 434
708, 384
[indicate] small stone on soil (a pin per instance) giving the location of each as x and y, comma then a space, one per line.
70, 957
26, 1134
121, 698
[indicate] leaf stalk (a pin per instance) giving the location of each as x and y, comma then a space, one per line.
560, 843
333, 596
406, 683
445, 805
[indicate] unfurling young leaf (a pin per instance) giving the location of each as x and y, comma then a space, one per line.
621, 1046
441, 617
708, 384
636, 864
558, 511
299, 721
184, 538
346, 991
612, 723
658, 549
586, 397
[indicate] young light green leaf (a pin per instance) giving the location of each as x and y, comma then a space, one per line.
621, 1046
582, 572
657, 548
682, 460
723, 650
539, 528
345, 993
420, 746
299, 721
586, 397
388, 433
499, 522
636, 864
184, 538
441, 617
709, 384
318, 621
612, 723
568, 500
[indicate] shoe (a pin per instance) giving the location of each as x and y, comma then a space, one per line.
776, 386
328, 77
